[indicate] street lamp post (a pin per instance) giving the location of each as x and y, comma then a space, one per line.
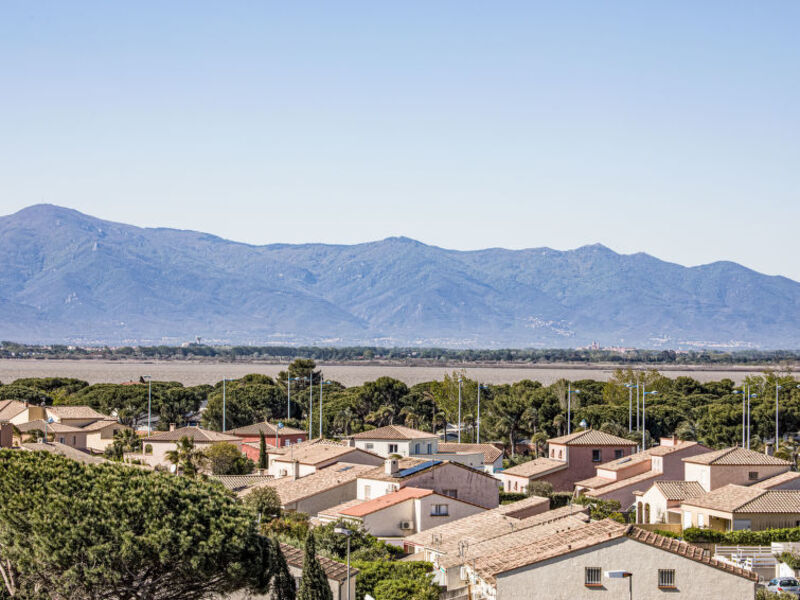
744, 412
777, 388
289, 380
480, 387
748, 418
570, 391
149, 403
224, 398
644, 413
321, 383
347, 533
459, 413
630, 387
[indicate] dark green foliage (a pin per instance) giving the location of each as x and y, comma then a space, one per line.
314, 583
392, 578
509, 497
559, 499
226, 459
283, 584
125, 440
540, 488
363, 546
743, 537
130, 533
262, 451
264, 501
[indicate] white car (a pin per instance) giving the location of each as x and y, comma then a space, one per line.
789, 585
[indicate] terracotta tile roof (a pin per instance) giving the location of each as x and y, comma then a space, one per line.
777, 480
335, 512
623, 483
385, 501
495, 523
10, 409
333, 568
490, 453
54, 427
75, 412
536, 467
293, 490
593, 534
320, 453
742, 499
65, 451
268, 429
379, 473
736, 456
594, 482
102, 424
679, 490
236, 483
193, 433
646, 455
591, 437
393, 432
315, 442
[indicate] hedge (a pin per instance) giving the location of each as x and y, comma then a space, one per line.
743, 537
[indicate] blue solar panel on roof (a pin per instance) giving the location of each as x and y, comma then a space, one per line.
420, 467
347, 468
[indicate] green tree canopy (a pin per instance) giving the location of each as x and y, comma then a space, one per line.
314, 583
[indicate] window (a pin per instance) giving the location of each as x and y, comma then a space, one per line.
287, 442
450, 493
752, 475
593, 576
370, 445
619, 453
666, 578
597, 455
687, 519
61, 440
416, 448
439, 510
367, 492
392, 448
430, 449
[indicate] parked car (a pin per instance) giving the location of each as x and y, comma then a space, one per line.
785, 584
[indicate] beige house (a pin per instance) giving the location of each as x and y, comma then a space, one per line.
444, 477
396, 439
620, 478
662, 502
164, 441
335, 571
305, 459
394, 516
451, 545
578, 564
100, 434
65, 451
316, 492
790, 480
76, 416
67, 435
478, 456
733, 507
732, 465
17, 413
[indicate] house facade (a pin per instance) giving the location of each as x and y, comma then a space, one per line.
734, 507
733, 465
164, 441
274, 437
396, 439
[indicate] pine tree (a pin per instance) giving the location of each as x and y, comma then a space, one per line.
314, 583
283, 586
262, 451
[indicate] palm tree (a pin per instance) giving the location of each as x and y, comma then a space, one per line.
186, 458
469, 421
343, 421
558, 422
384, 415
531, 419
411, 419
439, 418
539, 441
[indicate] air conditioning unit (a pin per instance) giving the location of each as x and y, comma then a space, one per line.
405, 525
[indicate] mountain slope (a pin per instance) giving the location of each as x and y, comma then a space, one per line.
68, 276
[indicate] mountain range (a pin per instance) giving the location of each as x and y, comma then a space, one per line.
66, 277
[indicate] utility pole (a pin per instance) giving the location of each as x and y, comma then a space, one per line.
224, 381
149, 403
777, 388
459, 413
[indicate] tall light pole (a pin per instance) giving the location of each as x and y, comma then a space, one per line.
570, 391
480, 387
644, 413
346, 532
149, 403
321, 383
744, 411
777, 388
748, 418
459, 413
310, 404
224, 398
289, 380
630, 387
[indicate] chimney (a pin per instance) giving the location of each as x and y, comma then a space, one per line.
295, 470
172, 426
391, 466
768, 448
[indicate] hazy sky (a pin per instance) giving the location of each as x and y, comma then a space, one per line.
669, 127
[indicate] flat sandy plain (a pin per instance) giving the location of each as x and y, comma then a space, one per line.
197, 372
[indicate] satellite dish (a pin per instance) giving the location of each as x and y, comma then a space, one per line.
51, 420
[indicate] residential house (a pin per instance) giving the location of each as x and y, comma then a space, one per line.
396, 439
732, 507
316, 492
17, 413
394, 516
444, 477
100, 434
449, 546
76, 416
274, 437
336, 572
490, 457
571, 458
307, 458
662, 502
732, 465
789, 480
74, 437
620, 478
163, 441
578, 564
63, 450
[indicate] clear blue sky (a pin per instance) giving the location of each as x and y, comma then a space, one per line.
669, 127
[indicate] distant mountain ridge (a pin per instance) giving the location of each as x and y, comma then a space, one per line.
69, 277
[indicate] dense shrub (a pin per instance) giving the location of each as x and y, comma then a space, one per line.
743, 537
509, 497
